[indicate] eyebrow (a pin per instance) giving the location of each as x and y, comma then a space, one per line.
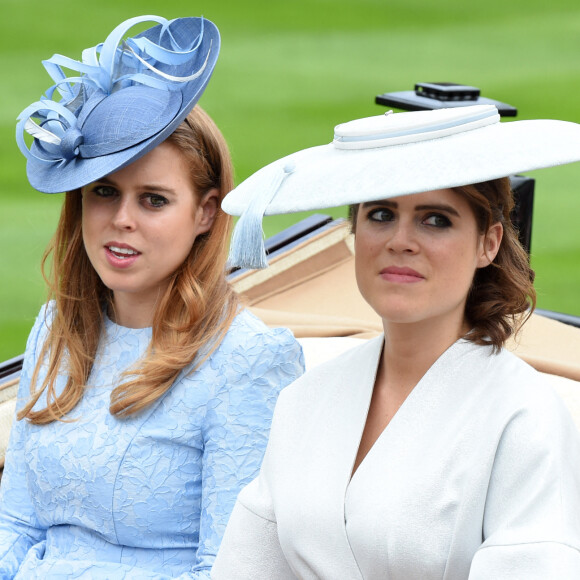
428, 206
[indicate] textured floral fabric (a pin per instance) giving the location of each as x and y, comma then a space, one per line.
148, 496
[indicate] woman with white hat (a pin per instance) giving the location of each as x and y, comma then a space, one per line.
429, 452
147, 391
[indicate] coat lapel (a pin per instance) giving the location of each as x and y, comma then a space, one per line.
316, 433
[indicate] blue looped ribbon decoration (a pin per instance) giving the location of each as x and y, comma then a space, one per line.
104, 69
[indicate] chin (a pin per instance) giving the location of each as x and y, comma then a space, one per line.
116, 286
402, 319
396, 309
399, 316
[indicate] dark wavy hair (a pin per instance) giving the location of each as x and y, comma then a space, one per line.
502, 295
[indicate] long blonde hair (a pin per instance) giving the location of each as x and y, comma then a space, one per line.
195, 311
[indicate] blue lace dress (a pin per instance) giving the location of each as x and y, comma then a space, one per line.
148, 496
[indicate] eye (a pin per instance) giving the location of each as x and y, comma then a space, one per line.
104, 190
155, 200
380, 215
437, 220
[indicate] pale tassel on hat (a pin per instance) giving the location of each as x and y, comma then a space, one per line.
247, 245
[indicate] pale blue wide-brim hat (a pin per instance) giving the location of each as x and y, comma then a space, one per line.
130, 94
391, 155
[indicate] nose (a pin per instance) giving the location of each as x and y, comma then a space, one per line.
124, 217
403, 238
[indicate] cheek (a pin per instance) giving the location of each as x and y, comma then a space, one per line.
175, 233
360, 255
94, 221
366, 245
365, 256
459, 263
87, 220
92, 214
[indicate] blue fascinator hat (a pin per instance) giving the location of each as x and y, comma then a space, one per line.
129, 96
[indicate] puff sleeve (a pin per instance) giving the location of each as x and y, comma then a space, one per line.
238, 424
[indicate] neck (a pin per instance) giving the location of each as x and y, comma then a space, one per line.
130, 312
411, 349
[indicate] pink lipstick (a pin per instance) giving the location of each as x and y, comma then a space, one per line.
401, 275
121, 255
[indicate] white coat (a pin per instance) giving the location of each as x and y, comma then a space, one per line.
477, 476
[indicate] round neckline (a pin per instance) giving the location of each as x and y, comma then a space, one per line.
111, 326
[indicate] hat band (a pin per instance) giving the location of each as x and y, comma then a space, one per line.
401, 136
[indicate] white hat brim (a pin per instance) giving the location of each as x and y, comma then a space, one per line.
326, 176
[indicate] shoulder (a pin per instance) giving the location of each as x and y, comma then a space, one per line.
40, 329
246, 322
36, 339
522, 385
500, 375
348, 362
253, 356
45, 317
248, 332
334, 377
519, 398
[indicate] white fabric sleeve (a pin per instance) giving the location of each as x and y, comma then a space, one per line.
250, 548
531, 525
533, 561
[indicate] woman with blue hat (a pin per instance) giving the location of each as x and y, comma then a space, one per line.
147, 390
429, 452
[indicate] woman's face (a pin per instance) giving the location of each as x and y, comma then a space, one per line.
139, 225
416, 256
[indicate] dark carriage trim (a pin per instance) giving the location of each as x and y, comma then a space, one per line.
570, 319
11, 368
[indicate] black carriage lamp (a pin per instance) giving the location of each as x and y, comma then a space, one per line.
429, 96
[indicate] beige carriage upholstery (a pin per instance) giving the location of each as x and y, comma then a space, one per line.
7, 405
311, 289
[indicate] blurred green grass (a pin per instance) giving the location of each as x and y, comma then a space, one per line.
288, 72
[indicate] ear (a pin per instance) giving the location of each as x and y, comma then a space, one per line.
207, 210
489, 245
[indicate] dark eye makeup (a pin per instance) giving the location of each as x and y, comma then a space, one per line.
152, 200
155, 200
437, 220
104, 190
380, 214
